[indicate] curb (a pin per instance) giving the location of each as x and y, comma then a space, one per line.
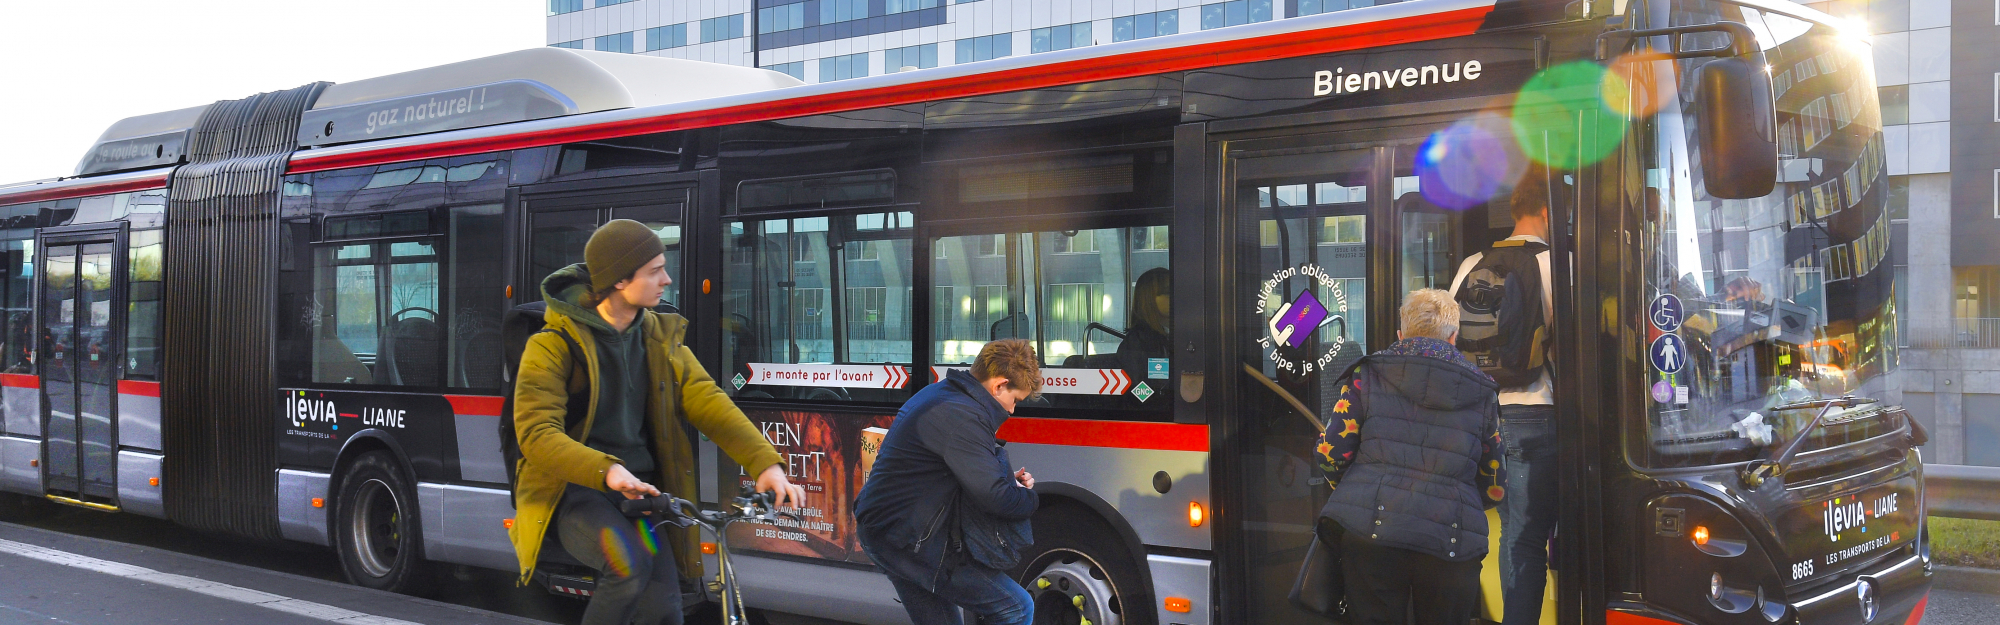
1968, 579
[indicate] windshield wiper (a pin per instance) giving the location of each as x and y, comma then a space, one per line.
1755, 473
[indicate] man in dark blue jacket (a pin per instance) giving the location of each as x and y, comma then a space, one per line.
940, 469
1413, 454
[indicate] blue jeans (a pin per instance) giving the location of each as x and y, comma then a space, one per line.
637, 577
1528, 512
989, 593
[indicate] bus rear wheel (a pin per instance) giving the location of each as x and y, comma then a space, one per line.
1078, 573
375, 525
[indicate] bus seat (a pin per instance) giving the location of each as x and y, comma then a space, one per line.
334, 362
416, 352
1014, 326
480, 357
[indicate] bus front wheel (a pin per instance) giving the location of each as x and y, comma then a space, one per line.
375, 525
1079, 573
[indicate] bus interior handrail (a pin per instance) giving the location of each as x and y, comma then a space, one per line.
1285, 395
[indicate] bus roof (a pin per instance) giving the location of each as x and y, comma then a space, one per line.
606, 95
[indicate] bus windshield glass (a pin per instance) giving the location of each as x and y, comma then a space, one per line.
1757, 307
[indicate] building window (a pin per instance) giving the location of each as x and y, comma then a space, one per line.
720, 28
606, 3
984, 48
1996, 79
795, 69
1146, 25
559, 7
1899, 197
1235, 13
832, 11
843, 67
1315, 7
900, 6
920, 57
666, 37
780, 18
1996, 194
1059, 37
621, 42
1895, 104
573, 45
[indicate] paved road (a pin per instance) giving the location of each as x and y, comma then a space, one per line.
105, 568
1952, 607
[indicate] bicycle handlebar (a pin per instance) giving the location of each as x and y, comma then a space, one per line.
668, 508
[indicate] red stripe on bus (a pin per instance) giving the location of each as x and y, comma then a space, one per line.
1412, 29
1120, 434
139, 387
63, 193
1614, 617
476, 405
17, 380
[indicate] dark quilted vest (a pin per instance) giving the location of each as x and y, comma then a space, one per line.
1413, 482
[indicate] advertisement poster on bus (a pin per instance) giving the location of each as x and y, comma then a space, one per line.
829, 455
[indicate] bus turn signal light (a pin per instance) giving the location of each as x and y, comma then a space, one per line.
507, 523
1701, 534
152, 481
708, 548
1178, 604
1195, 514
319, 503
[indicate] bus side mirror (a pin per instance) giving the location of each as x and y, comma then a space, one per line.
1738, 118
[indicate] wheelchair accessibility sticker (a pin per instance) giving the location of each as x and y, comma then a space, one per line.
1666, 313
1293, 320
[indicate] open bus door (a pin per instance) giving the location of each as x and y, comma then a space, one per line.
1332, 220
80, 315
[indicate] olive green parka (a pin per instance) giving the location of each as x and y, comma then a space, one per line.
681, 391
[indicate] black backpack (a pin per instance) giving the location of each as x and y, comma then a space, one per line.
1501, 325
519, 324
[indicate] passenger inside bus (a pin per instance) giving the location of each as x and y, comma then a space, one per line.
1149, 323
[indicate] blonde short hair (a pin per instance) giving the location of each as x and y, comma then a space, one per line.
1013, 359
1429, 313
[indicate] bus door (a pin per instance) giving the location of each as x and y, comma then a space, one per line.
78, 352
559, 224
1329, 232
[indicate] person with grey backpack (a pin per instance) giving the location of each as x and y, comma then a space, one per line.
1504, 329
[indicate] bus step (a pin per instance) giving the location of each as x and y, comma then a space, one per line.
570, 586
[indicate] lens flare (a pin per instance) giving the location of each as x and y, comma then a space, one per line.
646, 537
1460, 167
617, 559
1561, 119
1638, 84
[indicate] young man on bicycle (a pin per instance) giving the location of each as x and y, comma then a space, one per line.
641, 384
941, 474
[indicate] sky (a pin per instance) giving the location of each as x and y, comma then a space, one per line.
68, 70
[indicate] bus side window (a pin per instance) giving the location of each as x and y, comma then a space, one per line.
142, 322
1096, 303
818, 308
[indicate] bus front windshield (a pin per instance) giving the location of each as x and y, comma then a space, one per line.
1757, 307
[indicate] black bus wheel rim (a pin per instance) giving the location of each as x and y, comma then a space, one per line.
375, 529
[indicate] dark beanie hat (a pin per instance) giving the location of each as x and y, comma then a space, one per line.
619, 248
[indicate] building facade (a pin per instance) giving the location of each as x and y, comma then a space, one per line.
823, 40
1938, 70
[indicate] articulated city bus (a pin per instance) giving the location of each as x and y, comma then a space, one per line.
280, 316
